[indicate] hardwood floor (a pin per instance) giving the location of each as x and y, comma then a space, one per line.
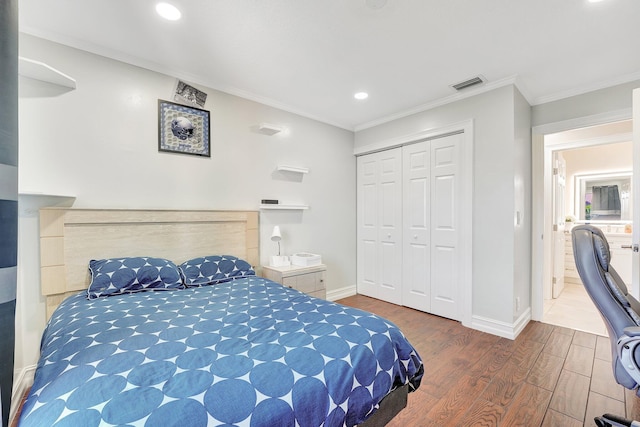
549, 376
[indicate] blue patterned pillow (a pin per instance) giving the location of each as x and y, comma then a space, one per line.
121, 275
210, 270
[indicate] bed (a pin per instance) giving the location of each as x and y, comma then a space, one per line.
233, 350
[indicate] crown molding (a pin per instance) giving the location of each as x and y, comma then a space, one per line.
174, 72
487, 87
586, 89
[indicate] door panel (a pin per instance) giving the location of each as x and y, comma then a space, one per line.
367, 230
390, 230
368, 271
444, 203
379, 271
444, 286
416, 286
444, 226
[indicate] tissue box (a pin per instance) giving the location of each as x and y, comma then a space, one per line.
305, 259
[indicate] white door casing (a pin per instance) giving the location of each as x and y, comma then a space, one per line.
635, 242
559, 217
541, 186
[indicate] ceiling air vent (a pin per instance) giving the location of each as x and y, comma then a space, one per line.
468, 83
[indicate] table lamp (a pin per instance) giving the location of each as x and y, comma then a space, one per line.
278, 260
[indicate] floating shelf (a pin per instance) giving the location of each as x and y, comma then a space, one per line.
295, 169
269, 129
284, 207
62, 198
40, 71
30, 202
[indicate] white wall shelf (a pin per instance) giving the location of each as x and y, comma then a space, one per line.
284, 207
296, 169
30, 202
40, 71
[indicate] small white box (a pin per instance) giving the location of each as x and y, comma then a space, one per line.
305, 259
280, 261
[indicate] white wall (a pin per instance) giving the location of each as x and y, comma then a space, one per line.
612, 99
497, 162
99, 144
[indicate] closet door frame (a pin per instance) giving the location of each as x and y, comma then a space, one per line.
465, 258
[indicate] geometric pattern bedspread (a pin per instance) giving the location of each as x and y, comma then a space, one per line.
248, 353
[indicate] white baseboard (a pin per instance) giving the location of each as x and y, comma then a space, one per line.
336, 294
21, 384
502, 329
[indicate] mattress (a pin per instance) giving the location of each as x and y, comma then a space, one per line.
249, 352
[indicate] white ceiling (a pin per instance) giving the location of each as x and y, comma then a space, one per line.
311, 56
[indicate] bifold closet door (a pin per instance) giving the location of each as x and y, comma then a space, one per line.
445, 226
379, 211
430, 223
416, 185
408, 225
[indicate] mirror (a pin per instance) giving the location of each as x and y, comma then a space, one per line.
604, 197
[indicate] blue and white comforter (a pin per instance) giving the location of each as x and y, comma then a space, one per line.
248, 353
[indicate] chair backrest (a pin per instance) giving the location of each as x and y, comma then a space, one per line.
607, 290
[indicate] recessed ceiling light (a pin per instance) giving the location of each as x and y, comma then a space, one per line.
168, 11
595, 1
361, 95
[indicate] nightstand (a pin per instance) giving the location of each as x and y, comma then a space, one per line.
309, 280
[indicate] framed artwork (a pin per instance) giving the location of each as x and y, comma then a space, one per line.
189, 95
183, 129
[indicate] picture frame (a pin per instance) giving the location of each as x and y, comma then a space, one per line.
186, 94
183, 129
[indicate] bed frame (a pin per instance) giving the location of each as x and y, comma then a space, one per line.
70, 237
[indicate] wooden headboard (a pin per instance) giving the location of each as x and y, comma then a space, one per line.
69, 238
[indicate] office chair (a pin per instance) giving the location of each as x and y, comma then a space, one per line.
619, 310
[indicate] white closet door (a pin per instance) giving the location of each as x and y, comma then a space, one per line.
445, 176
367, 212
380, 225
390, 230
416, 185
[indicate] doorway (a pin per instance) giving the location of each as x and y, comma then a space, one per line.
578, 163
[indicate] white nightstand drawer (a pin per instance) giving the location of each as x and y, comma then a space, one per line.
309, 280
307, 283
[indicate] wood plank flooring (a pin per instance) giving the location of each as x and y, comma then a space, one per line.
549, 376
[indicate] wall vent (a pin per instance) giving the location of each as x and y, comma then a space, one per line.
468, 83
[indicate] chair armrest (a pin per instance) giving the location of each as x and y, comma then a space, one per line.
626, 352
632, 331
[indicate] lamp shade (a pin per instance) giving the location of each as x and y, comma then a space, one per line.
276, 236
